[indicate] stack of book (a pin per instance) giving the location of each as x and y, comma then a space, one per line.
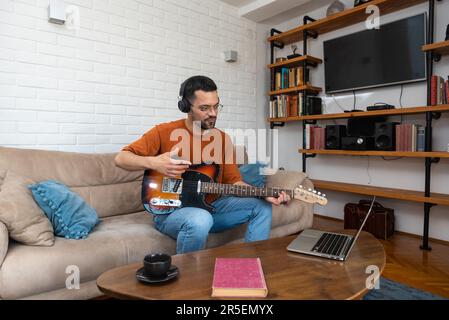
410, 137
439, 91
315, 137
286, 106
285, 78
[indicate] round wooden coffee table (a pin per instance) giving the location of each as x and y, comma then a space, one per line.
288, 275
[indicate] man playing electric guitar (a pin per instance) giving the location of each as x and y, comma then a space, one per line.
158, 149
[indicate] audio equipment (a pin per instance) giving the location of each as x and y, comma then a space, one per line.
364, 127
334, 134
447, 33
357, 143
360, 2
183, 103
379, 107
385, 136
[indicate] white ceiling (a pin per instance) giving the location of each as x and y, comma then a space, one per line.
274, 11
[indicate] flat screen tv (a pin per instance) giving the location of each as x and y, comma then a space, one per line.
380, 57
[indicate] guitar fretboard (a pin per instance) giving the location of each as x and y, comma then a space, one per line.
245, 191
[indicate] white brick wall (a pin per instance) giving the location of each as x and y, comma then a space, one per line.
100, 87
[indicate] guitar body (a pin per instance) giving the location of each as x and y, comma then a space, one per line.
163, 195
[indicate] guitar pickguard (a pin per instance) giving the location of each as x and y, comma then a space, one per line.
172, 185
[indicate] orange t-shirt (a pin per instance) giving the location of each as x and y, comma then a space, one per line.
165, 137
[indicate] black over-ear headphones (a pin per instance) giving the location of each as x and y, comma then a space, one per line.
183, 103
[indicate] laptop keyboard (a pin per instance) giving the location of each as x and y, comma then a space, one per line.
330, 243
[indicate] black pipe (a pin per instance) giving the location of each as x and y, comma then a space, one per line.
428, 141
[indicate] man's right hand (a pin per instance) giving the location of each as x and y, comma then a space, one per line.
168, 165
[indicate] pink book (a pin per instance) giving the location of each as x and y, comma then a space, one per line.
398, 138
238, 277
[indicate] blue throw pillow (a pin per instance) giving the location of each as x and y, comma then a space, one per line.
69, 214
252, 174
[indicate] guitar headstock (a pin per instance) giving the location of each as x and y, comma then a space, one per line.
310, 196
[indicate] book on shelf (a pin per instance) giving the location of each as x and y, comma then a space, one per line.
238, 277
421, 139
410, 137
315, 137
439, 91
284, 78
286, 106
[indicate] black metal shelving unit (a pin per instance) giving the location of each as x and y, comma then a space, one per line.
431, 58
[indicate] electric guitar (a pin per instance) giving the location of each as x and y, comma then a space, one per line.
197, 188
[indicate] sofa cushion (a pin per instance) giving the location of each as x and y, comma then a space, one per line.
25, 221
70, 215
115, 242
95, 177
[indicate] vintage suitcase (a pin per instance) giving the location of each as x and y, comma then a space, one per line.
380, 223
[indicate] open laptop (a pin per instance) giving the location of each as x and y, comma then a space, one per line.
328, 245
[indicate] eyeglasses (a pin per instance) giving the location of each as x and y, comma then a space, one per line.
206, 108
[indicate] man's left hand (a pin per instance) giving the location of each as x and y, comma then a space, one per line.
282, 199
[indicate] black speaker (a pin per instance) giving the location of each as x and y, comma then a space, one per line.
334, 133
447, 33
357, 143
385, 136
364, 127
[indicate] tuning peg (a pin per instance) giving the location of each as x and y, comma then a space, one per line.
324, 195
314, 191
300, 187
310, 190
319, 193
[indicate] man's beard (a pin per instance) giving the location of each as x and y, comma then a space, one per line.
208, 123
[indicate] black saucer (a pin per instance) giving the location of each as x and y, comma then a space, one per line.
172, 273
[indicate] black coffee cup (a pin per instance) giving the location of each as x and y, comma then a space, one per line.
156, 265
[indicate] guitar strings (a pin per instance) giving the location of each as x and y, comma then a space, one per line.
194, 185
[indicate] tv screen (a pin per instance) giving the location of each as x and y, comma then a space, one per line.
379, 57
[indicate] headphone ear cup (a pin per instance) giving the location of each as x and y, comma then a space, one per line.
184, 106
183, 103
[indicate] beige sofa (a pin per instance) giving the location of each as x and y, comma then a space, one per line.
126, 231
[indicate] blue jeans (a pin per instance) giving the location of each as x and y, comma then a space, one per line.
191, 226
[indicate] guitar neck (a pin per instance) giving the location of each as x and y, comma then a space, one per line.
244, 191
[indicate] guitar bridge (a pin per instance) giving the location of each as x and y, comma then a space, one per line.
165, 202
172, 185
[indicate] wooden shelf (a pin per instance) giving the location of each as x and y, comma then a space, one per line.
295, 62
390, 112
407, 195
438, 47
434, 154
343, 19
307, 88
